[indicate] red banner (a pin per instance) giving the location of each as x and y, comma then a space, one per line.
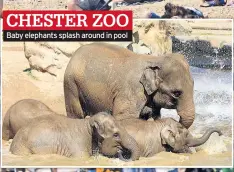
66, 20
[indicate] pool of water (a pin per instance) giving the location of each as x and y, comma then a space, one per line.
213, 99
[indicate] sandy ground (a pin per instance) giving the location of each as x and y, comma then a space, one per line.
17, 85
140, 11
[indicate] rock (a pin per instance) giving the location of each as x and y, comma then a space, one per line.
66, 48
139, 49
201, 53
50, 57
155, 36
179, 27
136, 37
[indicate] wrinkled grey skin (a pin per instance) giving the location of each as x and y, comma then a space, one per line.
57, 134
20, 113
106, 77
162, 135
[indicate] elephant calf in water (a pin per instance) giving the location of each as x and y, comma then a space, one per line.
20, 114
162, 135
57, 134
37, 129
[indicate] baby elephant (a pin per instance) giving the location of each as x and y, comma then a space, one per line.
20, 113
164, 134
57, 134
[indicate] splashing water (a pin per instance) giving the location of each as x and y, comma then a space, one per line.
213, 100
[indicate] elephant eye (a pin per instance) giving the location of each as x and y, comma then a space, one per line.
177, 93
116, 135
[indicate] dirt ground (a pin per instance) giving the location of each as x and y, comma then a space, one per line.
17, 85
140, 11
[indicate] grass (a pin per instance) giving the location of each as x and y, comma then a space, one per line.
29, 73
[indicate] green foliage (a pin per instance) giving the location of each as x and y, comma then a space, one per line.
29, 73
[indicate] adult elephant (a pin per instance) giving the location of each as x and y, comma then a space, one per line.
106, 77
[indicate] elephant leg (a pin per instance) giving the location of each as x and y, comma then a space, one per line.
73, 106
126, 107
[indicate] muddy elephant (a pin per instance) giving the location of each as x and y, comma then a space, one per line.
161, 135
20, 114
106, 77
57, 134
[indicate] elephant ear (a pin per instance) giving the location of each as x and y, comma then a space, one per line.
168, 136
99, 122
99, 128
150, 79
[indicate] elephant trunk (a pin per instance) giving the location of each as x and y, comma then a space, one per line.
185, 105
129, 144
186, 108
193, 142
187, 115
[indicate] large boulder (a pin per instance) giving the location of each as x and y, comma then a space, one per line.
50, 57
156, 35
